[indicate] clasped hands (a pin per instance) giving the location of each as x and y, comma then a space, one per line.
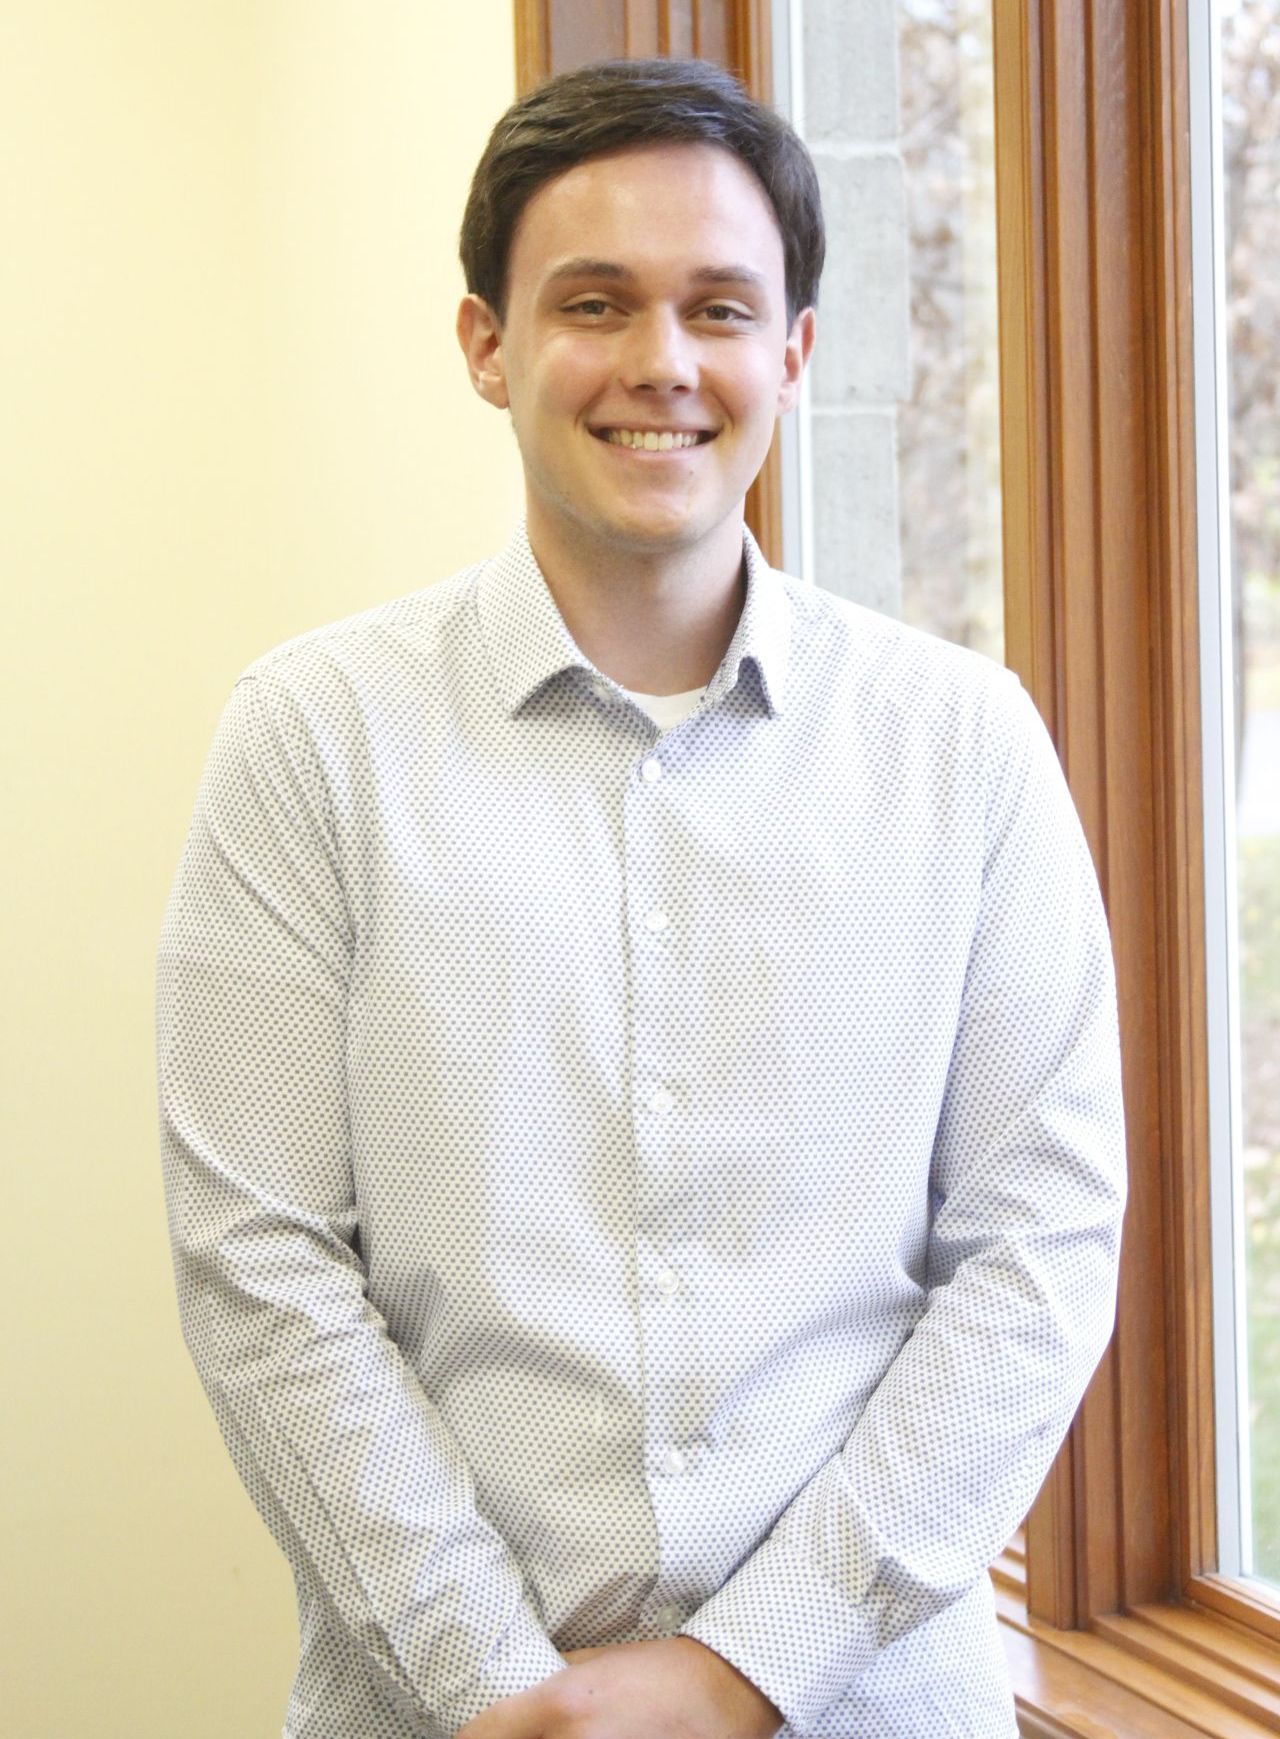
671, 1688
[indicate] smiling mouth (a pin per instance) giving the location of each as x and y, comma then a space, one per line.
655, 440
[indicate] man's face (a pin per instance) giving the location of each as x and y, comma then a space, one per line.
646, 298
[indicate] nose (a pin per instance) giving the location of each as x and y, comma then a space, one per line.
660, 353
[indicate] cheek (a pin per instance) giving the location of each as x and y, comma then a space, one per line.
752, 385
572, 373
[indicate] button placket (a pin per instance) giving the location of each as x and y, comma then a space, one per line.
660, 1089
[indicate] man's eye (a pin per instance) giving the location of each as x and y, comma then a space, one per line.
591, 305
721, 312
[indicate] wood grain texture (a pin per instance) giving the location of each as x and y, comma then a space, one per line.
1211, 1657
1089, 602
1090, 1686
533, 43
1246, 1603
1024, 406
1093, 189
749, 52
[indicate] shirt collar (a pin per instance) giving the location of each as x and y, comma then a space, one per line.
528, 642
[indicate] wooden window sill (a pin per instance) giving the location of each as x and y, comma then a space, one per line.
1165, 1671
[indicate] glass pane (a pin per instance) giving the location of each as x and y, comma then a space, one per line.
1250, 111
949, 428
897, 105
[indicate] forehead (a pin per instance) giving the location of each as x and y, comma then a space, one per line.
651, 206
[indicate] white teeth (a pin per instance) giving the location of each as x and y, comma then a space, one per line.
650, 440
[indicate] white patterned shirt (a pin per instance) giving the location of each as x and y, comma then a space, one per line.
627, 1181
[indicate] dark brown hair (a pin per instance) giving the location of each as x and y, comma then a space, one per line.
611, 105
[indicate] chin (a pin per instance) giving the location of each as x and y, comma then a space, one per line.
679, 526
656, 540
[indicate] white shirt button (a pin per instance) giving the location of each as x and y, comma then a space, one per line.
675, 1462
657, 920
661, 1099
668, 1282
670, 1617
651, 770
599, 688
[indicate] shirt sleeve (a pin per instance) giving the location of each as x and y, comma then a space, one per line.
344, 1454
1027, 1194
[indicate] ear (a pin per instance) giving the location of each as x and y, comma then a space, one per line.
481, 339
795, 357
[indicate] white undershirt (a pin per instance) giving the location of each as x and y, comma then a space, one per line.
667, 710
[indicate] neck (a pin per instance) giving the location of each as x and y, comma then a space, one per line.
657, 623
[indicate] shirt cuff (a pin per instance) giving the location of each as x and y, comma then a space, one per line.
523, 1658
797, 1638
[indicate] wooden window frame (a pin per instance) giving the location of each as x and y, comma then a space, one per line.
1093, 199
1113, 1617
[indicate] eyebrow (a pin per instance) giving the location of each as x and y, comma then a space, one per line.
615, 273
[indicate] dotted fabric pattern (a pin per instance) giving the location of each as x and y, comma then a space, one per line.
624, 1181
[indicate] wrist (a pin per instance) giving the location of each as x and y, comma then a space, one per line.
755, 1717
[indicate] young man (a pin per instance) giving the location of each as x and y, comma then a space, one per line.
637, 1041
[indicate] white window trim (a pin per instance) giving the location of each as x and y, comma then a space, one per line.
1213, 520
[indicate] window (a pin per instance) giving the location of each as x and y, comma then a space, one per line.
1235, 106
897, 441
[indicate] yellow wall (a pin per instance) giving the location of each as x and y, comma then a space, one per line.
231, 408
